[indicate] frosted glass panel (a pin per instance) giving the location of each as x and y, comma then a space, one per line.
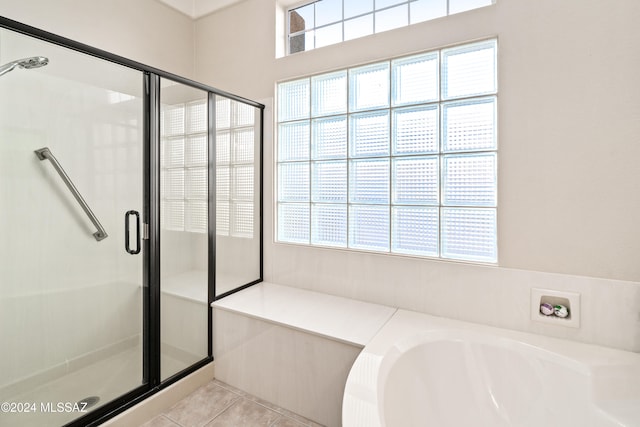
415, 130
469, 234
369, 227
415, 230
369, 181
329, 225
369, 134
293, 141
469, 70
294, 99
329, 182
415, 180
293, 222
424, 10
293, 179
470, 180
415, 79
330, 138
390, 19
329, 94
469, 125
369, 87
196, 183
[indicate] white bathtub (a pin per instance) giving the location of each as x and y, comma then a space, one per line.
421, 370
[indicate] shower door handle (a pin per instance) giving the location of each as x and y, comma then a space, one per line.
127, 226
46, 154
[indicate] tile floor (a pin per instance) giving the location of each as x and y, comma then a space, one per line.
220, 405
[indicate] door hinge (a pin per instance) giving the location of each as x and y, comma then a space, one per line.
145, 231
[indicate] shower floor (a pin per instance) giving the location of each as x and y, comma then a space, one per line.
106, 379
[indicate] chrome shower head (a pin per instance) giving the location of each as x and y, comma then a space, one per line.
28, 63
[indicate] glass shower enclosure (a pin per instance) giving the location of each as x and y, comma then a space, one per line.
129, 201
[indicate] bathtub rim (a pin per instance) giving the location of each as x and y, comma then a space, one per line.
361, 400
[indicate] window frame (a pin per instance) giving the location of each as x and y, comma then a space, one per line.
374, 11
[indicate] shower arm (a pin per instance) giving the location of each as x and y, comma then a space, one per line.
45, 153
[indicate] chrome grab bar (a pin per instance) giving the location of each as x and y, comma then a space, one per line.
45, 153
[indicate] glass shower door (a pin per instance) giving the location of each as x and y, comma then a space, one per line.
71, 269
184, 226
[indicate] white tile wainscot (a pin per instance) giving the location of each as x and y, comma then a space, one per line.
293, 347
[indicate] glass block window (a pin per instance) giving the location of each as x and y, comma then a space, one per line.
325, 22
398, 156
184, 165
235, 176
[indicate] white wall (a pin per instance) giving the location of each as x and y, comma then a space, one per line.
146, 31
569, 192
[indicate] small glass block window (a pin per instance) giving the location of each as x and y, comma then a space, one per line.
406, 164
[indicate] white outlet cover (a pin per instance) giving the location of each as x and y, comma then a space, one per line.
538, 296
